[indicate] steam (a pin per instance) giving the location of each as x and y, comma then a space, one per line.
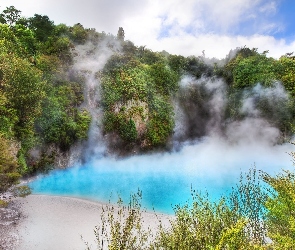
210, 149
201, 105
90, 58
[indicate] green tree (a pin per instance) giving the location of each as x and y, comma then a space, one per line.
253, 70
78, 33
127, 130
287, 73
121, 34
177, 63
26, 39
24, 89
61, 121
165, 80
204, 225
161, 123
42, 26
10, 15
280, 205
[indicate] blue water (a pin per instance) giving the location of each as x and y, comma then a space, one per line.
160, 190
164, 179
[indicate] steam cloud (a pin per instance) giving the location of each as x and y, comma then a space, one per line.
90, 59
203, 136
209, 149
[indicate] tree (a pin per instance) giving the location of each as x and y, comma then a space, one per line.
42, 26
26, 39
288, 73
78, 33
23, 87
204, 225
165, 79
280, 217
121, 34
61, 122
10, 15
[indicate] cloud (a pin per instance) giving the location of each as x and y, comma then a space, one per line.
214, 45
269, 8
184, 27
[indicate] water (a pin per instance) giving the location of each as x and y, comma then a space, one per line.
165, 179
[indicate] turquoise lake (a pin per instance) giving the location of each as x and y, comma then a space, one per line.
165, 179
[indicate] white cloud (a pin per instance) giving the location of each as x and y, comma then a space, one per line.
269, 8
215, 45
184, 27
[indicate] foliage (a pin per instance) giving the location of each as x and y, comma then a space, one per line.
10, 43
8, 117
280, 217
121, 227
10, 15
248, 201
128, 130
22, 191
149, 57
229, 223
253, 70
287, 73
8, 164
196, 67
161, 123
127, 86
61, 121
42, 27
205, 225
3, 204
178, 63
78, 34
125, 83
121, 34
26, 38
23, 87
165, 80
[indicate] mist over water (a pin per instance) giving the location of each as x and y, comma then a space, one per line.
208, 152
166, 179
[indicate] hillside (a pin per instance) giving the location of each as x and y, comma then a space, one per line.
64, 89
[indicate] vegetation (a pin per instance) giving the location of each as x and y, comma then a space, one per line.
257, 215
8, 164
40, 104
43, 112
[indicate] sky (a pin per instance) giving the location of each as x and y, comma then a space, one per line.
184, 27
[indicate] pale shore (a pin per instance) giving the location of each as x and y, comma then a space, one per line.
57, 223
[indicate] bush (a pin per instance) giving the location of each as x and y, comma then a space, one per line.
3, 204
8, 164
22, 191
202, 224
122, 227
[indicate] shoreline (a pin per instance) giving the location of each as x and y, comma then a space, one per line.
51, 222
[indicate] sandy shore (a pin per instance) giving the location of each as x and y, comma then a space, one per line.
57, 223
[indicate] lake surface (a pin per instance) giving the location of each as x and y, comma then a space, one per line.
165, 179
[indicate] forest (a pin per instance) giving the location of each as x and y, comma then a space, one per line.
44, 113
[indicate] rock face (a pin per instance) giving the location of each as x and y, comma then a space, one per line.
136, 110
